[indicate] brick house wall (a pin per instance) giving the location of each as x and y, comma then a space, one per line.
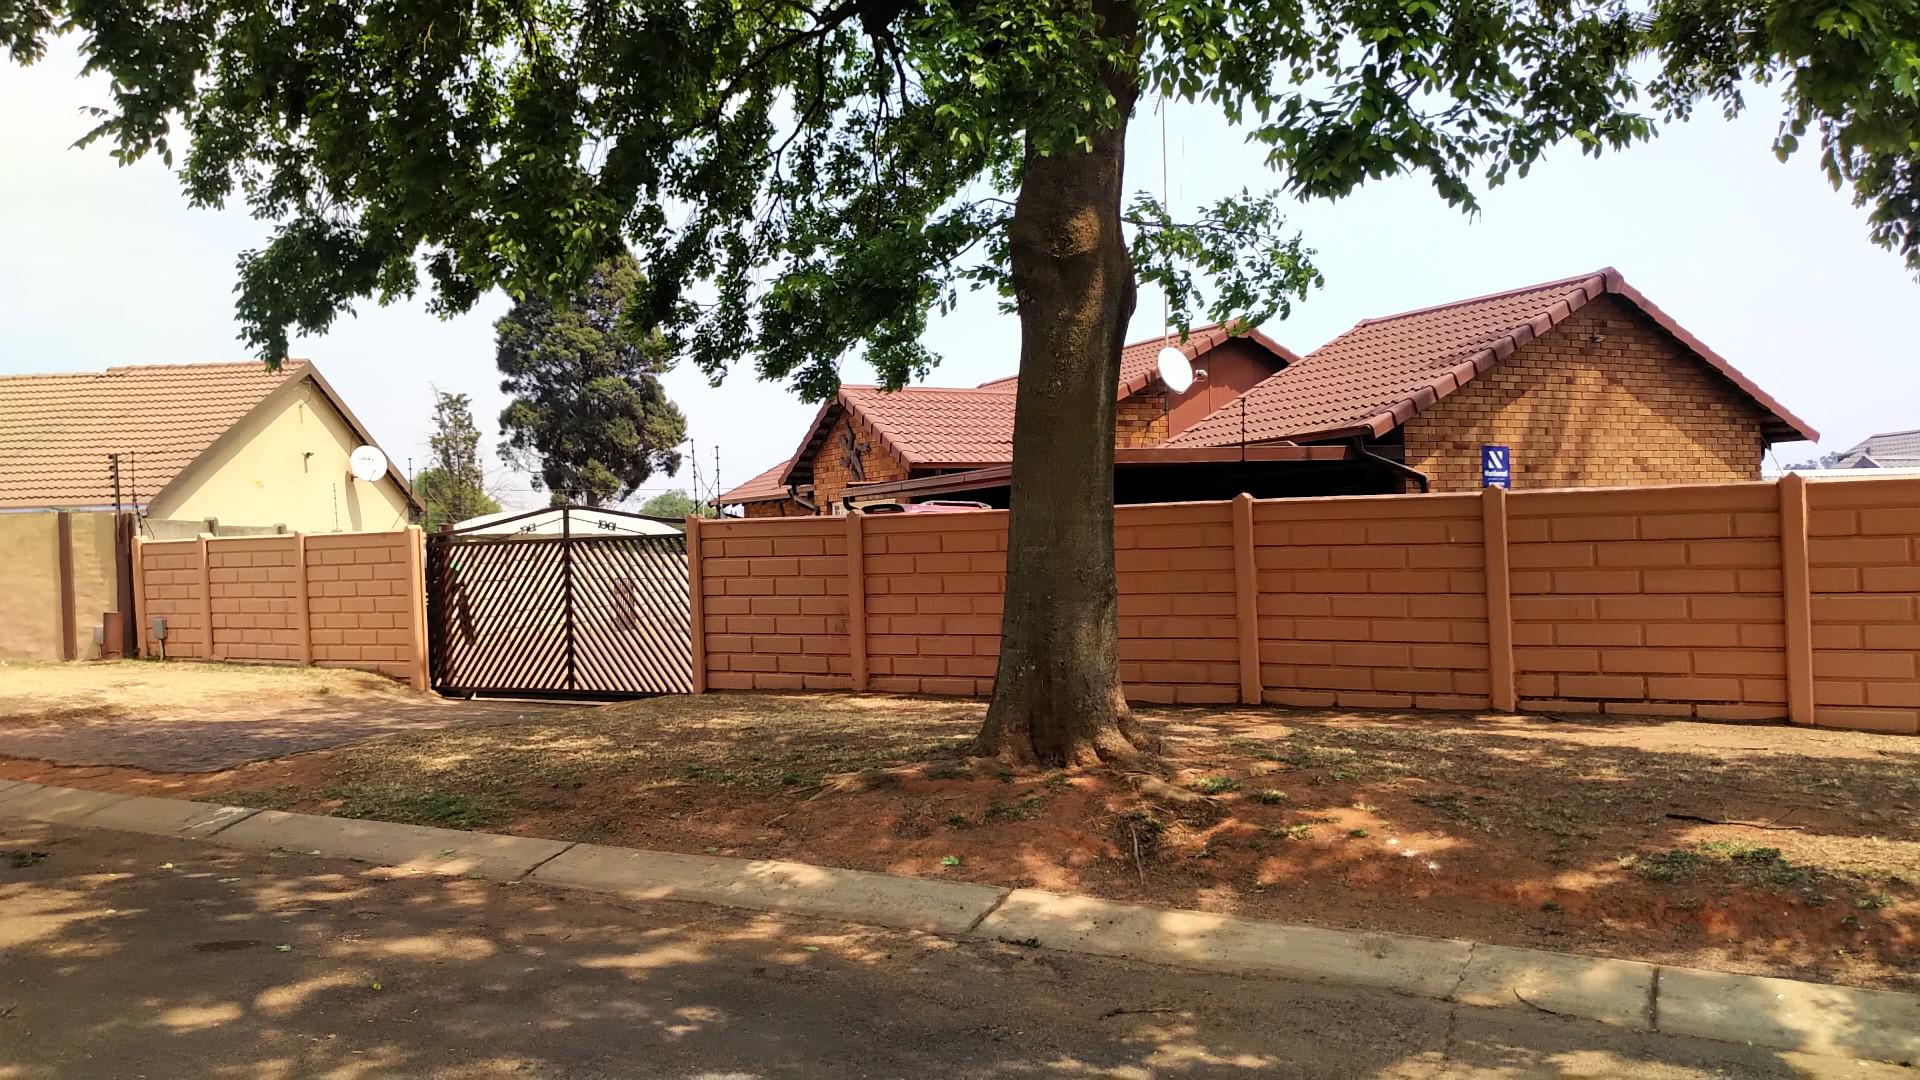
775, 508
1141, 420
833, 467
1633, 407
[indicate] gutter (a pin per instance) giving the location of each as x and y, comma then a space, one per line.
1400, 468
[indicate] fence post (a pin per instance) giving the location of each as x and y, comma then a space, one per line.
206, 600
1493, 518
138, 570
416, 541
302, 613
63, 553
1797, 591
1246, 590
857, 599
696, 620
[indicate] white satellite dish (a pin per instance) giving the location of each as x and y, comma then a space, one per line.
367, 463
1175, 371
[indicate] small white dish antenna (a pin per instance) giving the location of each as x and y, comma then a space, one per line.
1175, 371
367, 463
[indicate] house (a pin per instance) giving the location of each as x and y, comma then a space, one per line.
1887, 450
233, 443
1583, 379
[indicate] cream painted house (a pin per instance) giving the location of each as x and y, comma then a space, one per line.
236, 444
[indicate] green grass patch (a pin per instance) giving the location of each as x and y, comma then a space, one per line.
446, 809
1272, 797
1215, 785
1025, 810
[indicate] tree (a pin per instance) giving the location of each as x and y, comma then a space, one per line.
453, 488
806, 179
588, 412
676, 504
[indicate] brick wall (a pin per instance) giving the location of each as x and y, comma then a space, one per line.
1743, 601
1141, 420
833, 466
339, 600
774, 508
1633, 408
1863, 551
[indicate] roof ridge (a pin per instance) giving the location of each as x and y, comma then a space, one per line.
939, 389
1602, 273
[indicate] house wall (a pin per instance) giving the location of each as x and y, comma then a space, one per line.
1634, 407
833, 467
1743, 601
1233, 367
30, 583
774, 508
335, 600
1141, 420
286, 467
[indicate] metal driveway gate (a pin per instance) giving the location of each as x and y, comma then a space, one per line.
561, 612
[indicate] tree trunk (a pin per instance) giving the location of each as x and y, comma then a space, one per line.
1057, 698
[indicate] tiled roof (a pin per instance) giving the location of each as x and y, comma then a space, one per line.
924, 426
1886, 450
57, 430
1138, 361
763, 488
1381, 373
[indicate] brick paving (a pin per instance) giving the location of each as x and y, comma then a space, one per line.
225, 739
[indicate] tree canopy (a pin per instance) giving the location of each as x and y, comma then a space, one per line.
676, 504
808, 178
588, 415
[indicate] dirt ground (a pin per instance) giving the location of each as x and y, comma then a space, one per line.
196, 717
1771, 850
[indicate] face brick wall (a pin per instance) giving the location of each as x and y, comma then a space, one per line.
833, 467
1745, 601
1141, 420
1634, 408
338, 600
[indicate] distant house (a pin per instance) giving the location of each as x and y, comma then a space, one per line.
234, 443
1887, 450
1583, 379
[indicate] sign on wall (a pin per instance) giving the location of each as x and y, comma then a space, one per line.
1496, 466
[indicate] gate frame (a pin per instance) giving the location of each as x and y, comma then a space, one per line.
435, 601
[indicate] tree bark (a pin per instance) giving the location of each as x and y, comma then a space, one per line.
1057, 696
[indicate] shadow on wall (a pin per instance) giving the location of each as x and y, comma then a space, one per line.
135, 955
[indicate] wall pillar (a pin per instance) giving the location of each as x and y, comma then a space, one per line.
857, 598
142, 640
1493, 518
302, 612
416, 541
1797, 591
696, 621
206, 601
68, 620
1246, 591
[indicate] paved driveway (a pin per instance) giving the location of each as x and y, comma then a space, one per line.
222, 739
125, 956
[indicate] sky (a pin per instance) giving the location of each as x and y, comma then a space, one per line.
103, 265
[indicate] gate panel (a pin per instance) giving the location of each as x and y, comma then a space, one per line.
559, 614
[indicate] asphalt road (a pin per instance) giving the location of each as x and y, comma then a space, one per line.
125, 956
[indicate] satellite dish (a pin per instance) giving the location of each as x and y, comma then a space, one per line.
367, 463
1175, 371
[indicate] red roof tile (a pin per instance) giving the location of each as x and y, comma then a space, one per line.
1381, 373
765, 487
57, 430
1138, 360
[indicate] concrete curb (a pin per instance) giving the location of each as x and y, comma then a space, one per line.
1782, 1014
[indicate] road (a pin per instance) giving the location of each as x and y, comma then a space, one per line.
126, 956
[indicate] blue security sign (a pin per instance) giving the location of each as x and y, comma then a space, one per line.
1496, 466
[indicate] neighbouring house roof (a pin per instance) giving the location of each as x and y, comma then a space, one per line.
57, 430
1383, 372
925, 427
1889, 449
763, 488
1138, 361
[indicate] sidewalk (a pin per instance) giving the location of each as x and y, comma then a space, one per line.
1774, 1013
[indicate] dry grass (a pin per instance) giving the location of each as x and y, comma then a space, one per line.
1768, 849
33, 692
